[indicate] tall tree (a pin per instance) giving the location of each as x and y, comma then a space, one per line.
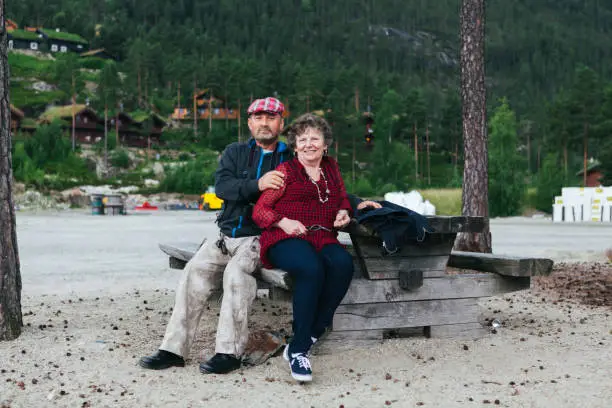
108, 89
506, 165
475, 197
11, 320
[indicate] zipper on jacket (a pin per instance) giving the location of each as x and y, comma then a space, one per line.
236, 228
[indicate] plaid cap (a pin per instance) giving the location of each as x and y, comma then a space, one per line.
270, 105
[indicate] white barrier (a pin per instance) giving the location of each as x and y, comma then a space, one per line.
579, 204
412, 200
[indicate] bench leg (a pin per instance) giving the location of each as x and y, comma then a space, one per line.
176, 263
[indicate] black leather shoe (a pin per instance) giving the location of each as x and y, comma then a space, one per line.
161, 360
220, 364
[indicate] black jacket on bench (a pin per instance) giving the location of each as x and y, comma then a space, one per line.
395, 225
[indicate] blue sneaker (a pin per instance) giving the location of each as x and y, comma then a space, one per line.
286, 350
300, 367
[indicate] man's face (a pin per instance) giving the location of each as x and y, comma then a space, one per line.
265, 127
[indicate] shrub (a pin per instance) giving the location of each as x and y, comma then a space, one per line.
363, 188
120, 158
191, 178
506, 166
548, 183
46, 160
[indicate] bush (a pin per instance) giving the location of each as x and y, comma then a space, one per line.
391, 165
111, 144
91, 63
120, 159
506, 166
363, 188
176, 138
191, 178
219, 137
46, 160
548, 183
24, 168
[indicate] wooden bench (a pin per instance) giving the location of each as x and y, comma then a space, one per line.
410, 291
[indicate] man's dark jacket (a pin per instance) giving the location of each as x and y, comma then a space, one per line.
236, 183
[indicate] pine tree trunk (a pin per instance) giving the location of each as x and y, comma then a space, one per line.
11, 320
105, 138
586, 152
416, 153
565, 158
475, 198
117, 143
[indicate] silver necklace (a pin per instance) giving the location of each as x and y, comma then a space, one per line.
321, 199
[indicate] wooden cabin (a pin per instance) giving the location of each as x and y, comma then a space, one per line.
10, 25
594, 175
139, 129
151, 125
24, 40
16, 118
206, 104
59, 41
89, 128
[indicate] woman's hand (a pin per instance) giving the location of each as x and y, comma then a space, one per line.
291, 227
368, 203
342, 219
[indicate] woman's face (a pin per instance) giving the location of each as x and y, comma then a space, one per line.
310, 145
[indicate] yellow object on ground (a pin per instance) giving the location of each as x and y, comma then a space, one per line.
210, 201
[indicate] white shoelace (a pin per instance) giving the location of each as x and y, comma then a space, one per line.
303, 361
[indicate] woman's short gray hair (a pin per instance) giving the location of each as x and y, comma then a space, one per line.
304, 122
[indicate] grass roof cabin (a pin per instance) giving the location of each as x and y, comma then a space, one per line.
60, 41
89, 128
24, 40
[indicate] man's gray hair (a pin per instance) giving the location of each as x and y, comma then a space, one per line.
304, 122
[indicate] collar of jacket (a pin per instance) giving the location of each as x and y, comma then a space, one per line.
281, 147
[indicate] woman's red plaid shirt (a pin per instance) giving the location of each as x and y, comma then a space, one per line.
299, 200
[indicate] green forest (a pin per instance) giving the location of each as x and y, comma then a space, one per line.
548, 69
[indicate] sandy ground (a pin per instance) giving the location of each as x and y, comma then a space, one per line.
97, 295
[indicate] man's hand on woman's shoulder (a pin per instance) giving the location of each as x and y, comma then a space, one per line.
273, 179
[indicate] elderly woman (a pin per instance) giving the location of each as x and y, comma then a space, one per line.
300, 222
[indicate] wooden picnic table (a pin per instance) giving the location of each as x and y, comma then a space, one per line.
410, 290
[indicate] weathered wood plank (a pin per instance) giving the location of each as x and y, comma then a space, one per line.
467, 331
394, 275
441, 225
180, 254
435, 244
503, 265
175, 263
370, 316
448, 287
388, 268
183, 251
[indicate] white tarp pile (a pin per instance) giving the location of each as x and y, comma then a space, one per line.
579, 204
413, 201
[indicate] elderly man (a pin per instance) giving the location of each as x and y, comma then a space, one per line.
245, 170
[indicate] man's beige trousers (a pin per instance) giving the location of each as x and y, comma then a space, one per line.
204, 273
